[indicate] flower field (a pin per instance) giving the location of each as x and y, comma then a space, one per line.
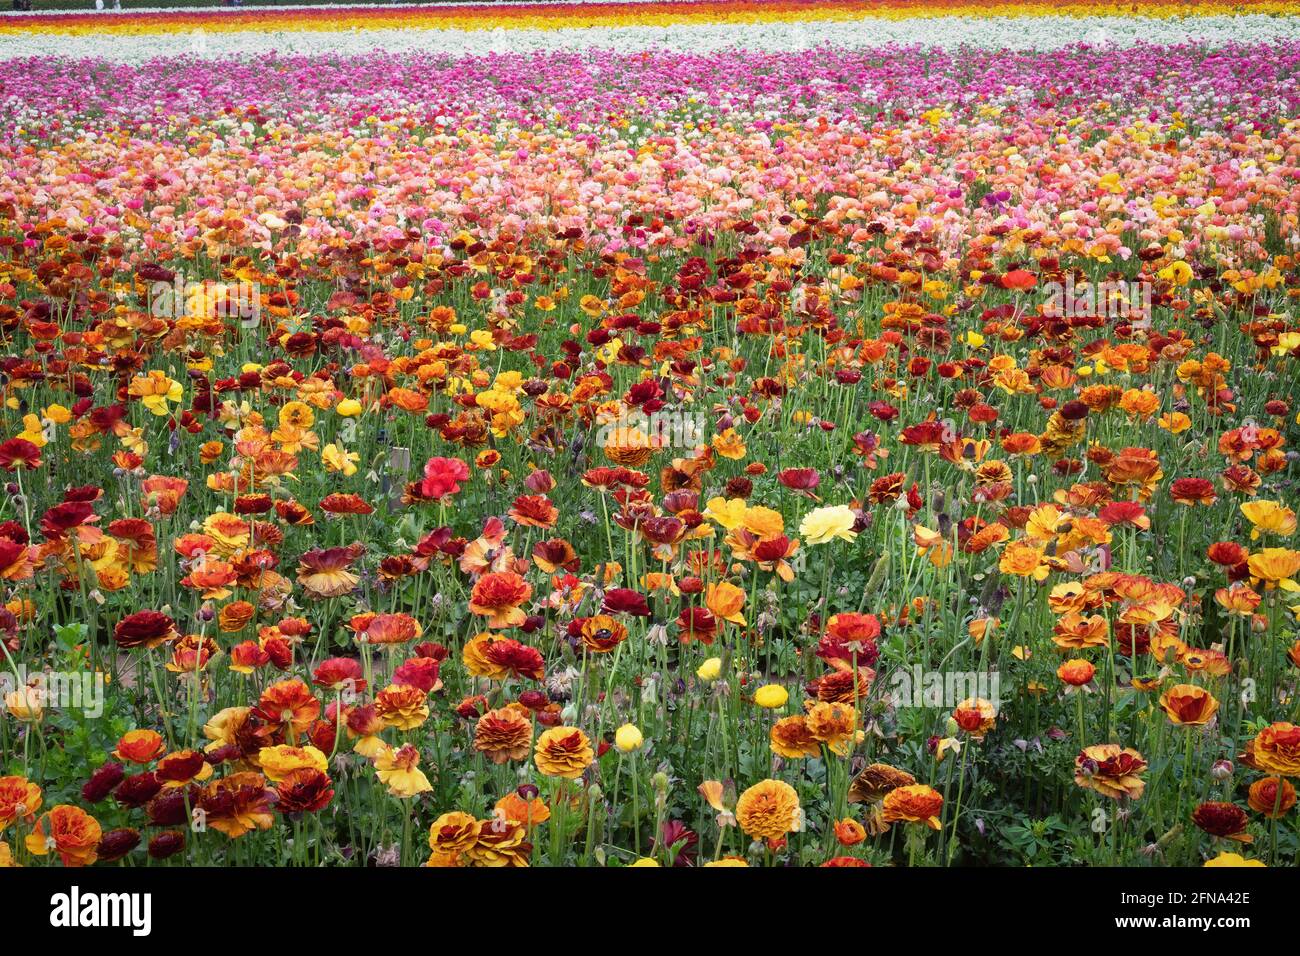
769, 433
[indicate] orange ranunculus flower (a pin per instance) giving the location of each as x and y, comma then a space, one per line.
849, 832
1269, 517
766, 523
553, 554
19, 800
1135, 467
534, 511
1076, 672
769, 810
305, 790
403, 706
1187, 704
407, 399
1022, 559
530, 813
498, 596
234, 616
191, 653
247, 656
1076, 632
725, 601
163, 493
1275, 749
181, 768
288, 703
504, 734
835, 725
70, 831
386, 628
563, 752
850, 628
915, 803
1111, 770
140, 746
1264, 796
791, 738
602, 633
326, 574
280, 761
875, 780
496, 657
1238, 599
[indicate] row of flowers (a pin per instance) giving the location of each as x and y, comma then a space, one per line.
1046, 32
659, 13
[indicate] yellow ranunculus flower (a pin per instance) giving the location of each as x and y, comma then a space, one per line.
627, 738
339, 459
1232, 859
155, 390
728, 513
826, 524
1269, 517
771, 696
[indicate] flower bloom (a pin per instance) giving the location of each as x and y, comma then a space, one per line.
1272, 796
19, 800
627, 738
1224, 820
498, 596
1275, 750
70, 831
826, 524
915, 803
1232, 859
399, 770
504, 734
155, 390
1111, 770
771, 696
1076, 672
1187, 704
768, 810
563, 752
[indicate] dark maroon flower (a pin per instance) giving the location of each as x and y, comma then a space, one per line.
102, 782
625, 601
165, 844
138, 790
116, 844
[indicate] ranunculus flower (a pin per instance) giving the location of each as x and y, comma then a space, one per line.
443, 477
563, 752
915, 803
826, 524
769, 810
